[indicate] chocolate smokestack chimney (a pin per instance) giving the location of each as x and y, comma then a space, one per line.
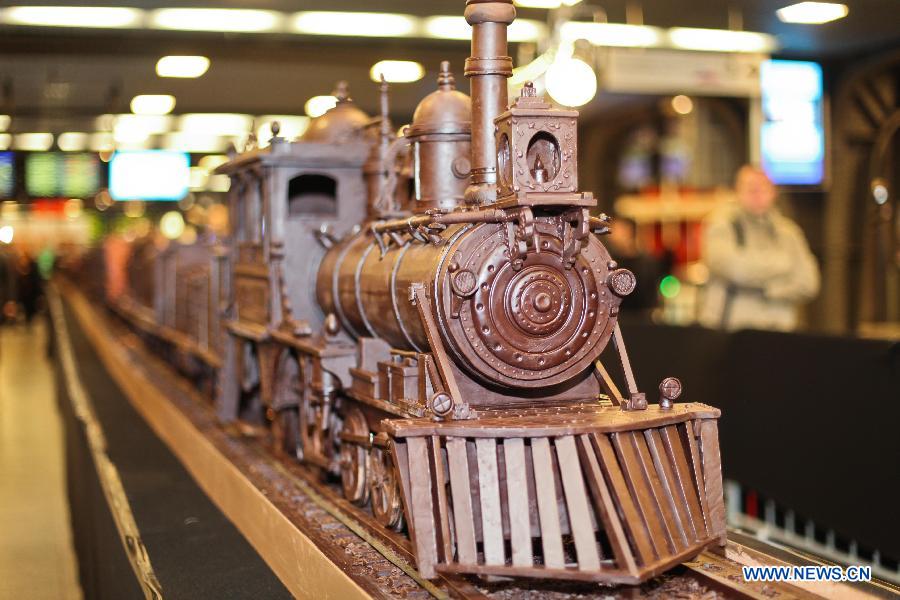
488, 67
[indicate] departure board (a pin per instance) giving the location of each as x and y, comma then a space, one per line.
7, 175
61, 175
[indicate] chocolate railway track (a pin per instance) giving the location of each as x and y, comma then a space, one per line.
378, 560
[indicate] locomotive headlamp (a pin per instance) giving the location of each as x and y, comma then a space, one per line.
537, 154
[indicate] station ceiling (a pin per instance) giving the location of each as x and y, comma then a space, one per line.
59, 79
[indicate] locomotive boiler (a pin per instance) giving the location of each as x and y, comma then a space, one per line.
422, 317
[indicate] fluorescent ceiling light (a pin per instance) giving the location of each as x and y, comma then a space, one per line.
73, 16
185, 67
34, 142
290, 127
319, 105
152, 104
216, 19
812, 13
72, 141
526, 30
102, 142
353, 24
184, 141
456, 28
5, 141
397, 71
4, 122
148, 123
721, 40
611, 34
216, 123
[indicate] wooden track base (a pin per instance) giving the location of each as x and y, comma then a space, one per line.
322, 546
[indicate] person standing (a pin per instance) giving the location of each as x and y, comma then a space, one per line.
760, 265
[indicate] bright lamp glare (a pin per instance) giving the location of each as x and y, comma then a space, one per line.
353, 24
456, 28
72, 141
397, 71
290, 127
216, 123
611, 34
185, 67
812, 13
72, 16
152, 104
215, 19
6, 234
187, 141
319, 105
720, 40
571, 82
33, 142
102, 142
171, 225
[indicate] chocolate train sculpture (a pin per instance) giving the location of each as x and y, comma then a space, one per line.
422, 316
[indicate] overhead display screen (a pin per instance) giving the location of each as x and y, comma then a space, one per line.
149, 175
61, 174
792, 141
7, 175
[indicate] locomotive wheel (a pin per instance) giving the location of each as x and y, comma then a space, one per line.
384, 489
353, 459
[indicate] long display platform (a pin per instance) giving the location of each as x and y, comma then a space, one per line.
169, 504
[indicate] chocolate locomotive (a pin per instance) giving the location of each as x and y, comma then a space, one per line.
442, 358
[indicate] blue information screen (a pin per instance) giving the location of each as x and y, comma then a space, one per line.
792, 140
7, 175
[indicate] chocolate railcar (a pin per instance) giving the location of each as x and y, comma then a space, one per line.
423, 317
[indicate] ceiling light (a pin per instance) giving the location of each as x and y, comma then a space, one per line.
216, 19
571, 81
611, 34
73, 16
35, 142
526, 30
721, 40
146, 123
102, 142
353, 24
152, 104
185, 67
171, 225
72, 141
397, 71
812, 13
201, 143
456, 28
216, 123
291, 127
682, 104
5, 141
319, 105
4, 122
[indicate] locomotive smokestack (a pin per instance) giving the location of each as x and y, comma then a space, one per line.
488, 67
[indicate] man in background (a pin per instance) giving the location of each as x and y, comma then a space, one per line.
760, 265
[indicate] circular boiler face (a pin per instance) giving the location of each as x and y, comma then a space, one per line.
531, 322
